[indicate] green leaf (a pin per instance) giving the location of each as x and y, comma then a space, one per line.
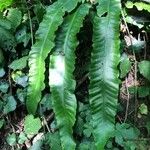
88, 130
143, 109
136, 45
139, 5
32, 125
11, 139
5, 3
109, 145
39, 10
144, 68
4, 87
2, 72
104, 82
14, 16
44, 43
125, 66
22, 36
86, 145
2, 121
19, 64
10, 104
54, 141
21, 94
22, 138
20, 78
7, 40
130, 145
143, 91
62, 80
68, 5
4, 23
46, 103
37, 145
125, 132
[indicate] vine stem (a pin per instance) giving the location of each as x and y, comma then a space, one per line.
135, 67
30, 22
135, 81
128, 99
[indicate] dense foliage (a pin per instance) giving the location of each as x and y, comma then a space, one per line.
74, 74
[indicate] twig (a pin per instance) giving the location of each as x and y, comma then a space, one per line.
9, 80
135, 67
119, 119
135, 81
45, 121
46, 124
128, 99
127, 29
30, 21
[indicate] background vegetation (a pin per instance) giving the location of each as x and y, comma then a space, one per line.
32, 111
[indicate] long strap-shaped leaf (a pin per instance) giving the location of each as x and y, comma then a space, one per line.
62, 80
104, 82
69, 5
44, 43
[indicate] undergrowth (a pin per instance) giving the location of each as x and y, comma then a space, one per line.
74, 74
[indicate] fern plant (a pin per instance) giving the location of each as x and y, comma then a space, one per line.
66, 17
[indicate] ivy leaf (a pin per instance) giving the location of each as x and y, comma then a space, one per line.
143, 91
79, 126
87, 145
125, 132
10, 105
22, 81
21, 94
125, 65
2, 72
137, 45
7, 41
4, 87
22, 138
11, 139
144, 68
22, 36
46, 103
14, 16
39, 11
20, 78
1, 123
32, 125
53, 140
143, 109
19, 63
109, 145
88, 130
37, 145
130, 145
